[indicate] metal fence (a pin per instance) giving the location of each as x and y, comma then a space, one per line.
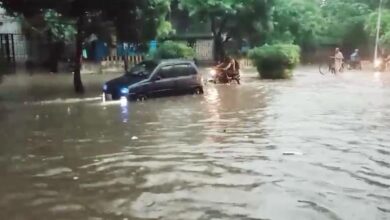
12, 49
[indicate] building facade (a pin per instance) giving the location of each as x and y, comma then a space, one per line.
13, 45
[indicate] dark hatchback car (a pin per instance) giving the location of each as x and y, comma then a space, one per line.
154, 79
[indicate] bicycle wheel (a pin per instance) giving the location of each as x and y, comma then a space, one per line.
324, 68
342, 68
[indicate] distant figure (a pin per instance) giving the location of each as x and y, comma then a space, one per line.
338, 60
355, 60
355, 57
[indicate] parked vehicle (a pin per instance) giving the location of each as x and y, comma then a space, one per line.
156, 78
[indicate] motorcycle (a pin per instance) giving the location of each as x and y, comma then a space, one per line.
355, 65
380, 65
217, 75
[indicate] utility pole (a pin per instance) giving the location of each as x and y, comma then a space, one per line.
378, 27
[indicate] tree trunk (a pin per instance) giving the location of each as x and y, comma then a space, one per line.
126, 62
51, 61
219, 50
78, 84
56, 49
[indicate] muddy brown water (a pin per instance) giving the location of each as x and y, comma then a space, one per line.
314, 147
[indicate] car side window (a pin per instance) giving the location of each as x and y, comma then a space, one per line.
165, 72
184, 70
191, 70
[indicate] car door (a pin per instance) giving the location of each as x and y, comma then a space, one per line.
186, 78
162, 83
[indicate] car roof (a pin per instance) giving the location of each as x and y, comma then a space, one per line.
175, 61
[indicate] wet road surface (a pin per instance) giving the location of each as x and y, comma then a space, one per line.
315, 147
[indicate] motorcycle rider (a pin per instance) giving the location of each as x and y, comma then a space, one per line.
230, 68
355, 60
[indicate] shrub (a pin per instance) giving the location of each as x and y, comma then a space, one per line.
173, 50
275, 61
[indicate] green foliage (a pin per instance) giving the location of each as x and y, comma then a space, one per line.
385, 41
62, 29
130, 16
371, 25
295, 21
153, 14
231, 19
275, 61
311, 23
173, 50
341, 18
164, 29
228, 16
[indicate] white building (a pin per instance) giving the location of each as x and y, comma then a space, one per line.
12, 40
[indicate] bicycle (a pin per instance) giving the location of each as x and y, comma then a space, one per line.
329, 67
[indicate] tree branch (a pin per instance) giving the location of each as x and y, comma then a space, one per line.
227, 39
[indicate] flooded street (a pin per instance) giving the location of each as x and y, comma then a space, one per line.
314, 147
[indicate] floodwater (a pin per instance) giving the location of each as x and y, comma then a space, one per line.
314, 147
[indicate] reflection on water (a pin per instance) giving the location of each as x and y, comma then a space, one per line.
315, 147
124, 109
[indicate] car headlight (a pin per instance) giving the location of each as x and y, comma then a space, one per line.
124, 91
378, 62
213, 72
105, 87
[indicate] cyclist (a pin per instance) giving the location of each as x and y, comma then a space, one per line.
338, 60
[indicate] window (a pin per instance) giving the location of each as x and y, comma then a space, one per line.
166, 72
178, 70
142, 69
184, 70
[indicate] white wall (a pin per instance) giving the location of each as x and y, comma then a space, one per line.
10, 24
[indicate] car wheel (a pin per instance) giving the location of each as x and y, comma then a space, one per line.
115, 96
142, 98
198, 91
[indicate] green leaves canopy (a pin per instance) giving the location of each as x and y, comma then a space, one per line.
62, 29
295, 21
371, 25
233, 18
341, 17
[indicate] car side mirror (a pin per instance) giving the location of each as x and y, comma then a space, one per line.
157, 78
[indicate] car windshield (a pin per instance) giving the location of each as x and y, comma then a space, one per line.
143, 69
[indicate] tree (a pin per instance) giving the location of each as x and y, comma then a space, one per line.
52, 26
384, 34
343, 18
122, 11
296, 21
60, 30
130, 24
72, 9
230, 19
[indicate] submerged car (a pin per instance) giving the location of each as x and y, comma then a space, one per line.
156, 78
